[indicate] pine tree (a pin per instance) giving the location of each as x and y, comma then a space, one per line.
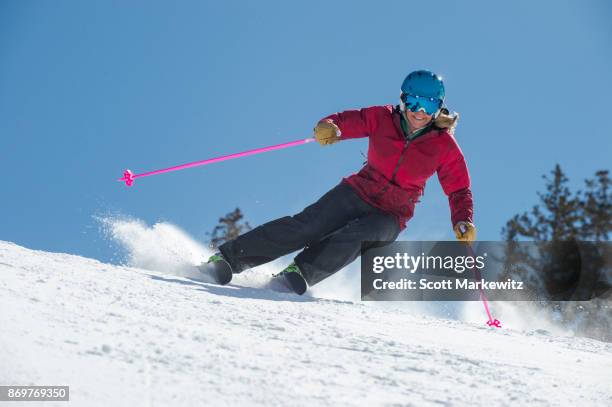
229, 228
556, 218
596, 208
566, 218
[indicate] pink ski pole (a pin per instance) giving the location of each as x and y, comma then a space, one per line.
491, 322
129, 177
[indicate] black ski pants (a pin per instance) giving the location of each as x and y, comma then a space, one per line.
330, 232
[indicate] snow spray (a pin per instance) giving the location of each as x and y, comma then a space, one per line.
129, 176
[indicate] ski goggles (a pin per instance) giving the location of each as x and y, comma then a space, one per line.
416, 103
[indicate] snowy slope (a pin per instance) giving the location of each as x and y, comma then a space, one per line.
126, 336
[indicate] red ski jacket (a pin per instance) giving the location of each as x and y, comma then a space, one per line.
393, 179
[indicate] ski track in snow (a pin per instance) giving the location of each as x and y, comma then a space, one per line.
125, 336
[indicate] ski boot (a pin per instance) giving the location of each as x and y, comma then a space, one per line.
292, 278
218, 268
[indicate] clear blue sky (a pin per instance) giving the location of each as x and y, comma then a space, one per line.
89, 88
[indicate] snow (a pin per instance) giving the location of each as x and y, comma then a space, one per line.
150, 335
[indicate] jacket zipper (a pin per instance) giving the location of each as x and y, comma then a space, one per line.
399, 161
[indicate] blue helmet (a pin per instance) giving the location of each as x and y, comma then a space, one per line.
425, 84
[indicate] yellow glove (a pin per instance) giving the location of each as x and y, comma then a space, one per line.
326, 133
465, 231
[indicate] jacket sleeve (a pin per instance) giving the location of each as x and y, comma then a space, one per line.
355, 123
455, 180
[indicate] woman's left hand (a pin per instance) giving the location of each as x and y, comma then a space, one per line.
465, 231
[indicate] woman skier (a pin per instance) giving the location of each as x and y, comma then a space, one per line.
408, 143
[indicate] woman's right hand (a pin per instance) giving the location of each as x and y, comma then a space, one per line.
326, 132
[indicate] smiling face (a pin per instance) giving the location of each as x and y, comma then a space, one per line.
417, 120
